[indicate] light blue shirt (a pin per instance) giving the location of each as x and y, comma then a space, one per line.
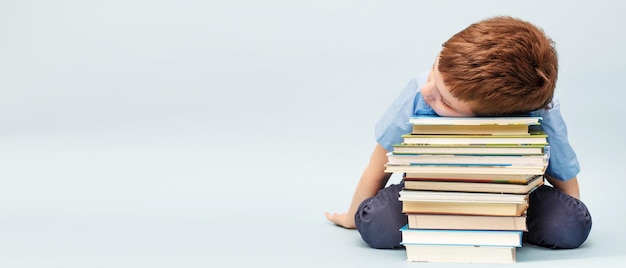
563, 164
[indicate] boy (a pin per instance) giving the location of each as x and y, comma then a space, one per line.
496, 67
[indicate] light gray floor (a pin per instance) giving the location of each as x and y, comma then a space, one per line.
216, 133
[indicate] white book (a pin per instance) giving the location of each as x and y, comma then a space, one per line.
439, 120
434, 196
508, 238
460, 254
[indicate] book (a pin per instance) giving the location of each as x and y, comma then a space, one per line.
435, 196
463, 203
491, 149
462, 170
471, 129
459, 254
506, 238
463, 208
534, 137
451, 159
470, 222
467, 182
476, 121
477, 177
473, 186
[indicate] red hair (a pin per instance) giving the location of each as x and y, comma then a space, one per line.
500, 66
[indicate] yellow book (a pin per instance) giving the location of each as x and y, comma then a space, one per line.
464, 208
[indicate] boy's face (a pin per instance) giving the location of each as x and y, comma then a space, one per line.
439, 98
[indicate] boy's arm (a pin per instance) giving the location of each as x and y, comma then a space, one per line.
569, 187
373, 179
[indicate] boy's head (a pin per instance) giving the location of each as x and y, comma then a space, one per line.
500, 66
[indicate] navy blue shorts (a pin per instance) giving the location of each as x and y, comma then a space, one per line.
554, 219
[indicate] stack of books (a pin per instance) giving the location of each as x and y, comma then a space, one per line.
466, 186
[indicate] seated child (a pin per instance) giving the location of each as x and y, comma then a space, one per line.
496, 67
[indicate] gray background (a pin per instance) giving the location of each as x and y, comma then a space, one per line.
203, 133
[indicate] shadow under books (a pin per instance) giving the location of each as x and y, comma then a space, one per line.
596, 246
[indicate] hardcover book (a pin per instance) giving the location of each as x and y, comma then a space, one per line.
459, 159
435, 196
535, 137
473, 186
460, 254
461, 170
471, 129
506, 238
464, 208
475, 121
468, 222
478, 177
482, 149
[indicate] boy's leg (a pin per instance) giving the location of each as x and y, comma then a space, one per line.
556, 220
380, 217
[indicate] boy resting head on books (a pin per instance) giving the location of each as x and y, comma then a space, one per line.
499, 66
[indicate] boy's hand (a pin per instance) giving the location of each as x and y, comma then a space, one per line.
373, 179
341, 219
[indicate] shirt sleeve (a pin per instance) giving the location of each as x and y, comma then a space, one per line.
563, 164
394, 122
